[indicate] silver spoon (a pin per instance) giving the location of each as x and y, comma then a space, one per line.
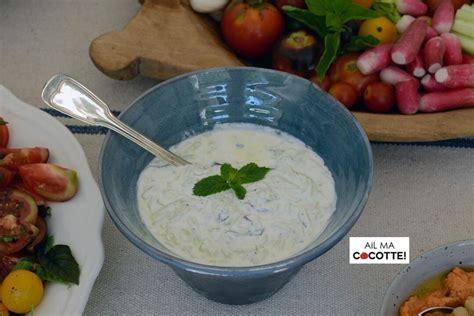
443, 309
70, 97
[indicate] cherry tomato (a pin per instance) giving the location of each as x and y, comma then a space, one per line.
345, 69
379, 97
344, 93
22, 291
52, 182
7, 263
4, 134
295, 53
364, 3
15, 157
381, 28
6, 177
252, 29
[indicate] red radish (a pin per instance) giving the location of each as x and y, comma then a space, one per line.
375, 59
456, 76
412, 7
392, 75
417, 67
447, 100
430, 84
404, 51
443, 17
408, 98
433, 53
404, 22
430, 33
453, 53
467, 59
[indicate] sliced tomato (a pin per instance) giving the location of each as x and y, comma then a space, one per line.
42, 229
22, 231
20, 186
4, 133
7, 263
18, 204
15, 157
52, 182
6, 177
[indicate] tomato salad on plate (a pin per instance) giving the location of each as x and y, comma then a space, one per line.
28, 256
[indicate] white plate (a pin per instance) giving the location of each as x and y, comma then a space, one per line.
78, 222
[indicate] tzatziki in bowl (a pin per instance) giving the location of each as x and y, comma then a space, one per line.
279, 173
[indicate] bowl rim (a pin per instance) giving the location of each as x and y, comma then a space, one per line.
275, 267
409, 267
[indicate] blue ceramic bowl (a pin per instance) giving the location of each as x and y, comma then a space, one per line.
193, 103
428, 265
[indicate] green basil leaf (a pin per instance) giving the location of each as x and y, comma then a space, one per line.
311, 20
59, 265
24, 263
331, 46
210, 185
356, 12
359, 43
316, 6
387, 9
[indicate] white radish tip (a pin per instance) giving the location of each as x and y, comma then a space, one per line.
399, 58
433, 68
441, 75
419, 72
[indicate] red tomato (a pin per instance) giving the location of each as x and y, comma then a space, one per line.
379, 97
344, 93
7, 263
52, 182
6, 177
15, 157
23, 233
345, 69
4, 134
251, 30
19, 204
20, 186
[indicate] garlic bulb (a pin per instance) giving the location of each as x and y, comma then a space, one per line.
208, 6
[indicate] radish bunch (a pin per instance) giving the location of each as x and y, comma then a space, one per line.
426, 65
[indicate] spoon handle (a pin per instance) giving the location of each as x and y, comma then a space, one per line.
70, 97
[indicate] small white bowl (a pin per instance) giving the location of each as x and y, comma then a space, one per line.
428, 265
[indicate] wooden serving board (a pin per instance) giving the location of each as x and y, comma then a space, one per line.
166, 38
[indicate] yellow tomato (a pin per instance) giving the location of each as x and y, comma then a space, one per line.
22, 291
381, 28
364, 3
3, 310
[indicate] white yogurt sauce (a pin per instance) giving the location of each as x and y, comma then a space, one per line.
280, 215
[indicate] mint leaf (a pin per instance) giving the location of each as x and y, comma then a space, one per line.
252, 173
359, 43
228, 172
331, 43
239, 190
210, 185
230, 178
354, 11
24, 263
58, 265
314, 6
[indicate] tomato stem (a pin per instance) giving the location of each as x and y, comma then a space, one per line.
255, 3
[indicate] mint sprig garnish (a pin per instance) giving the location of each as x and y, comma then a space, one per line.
230, 178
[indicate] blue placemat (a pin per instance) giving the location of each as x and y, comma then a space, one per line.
95, 130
